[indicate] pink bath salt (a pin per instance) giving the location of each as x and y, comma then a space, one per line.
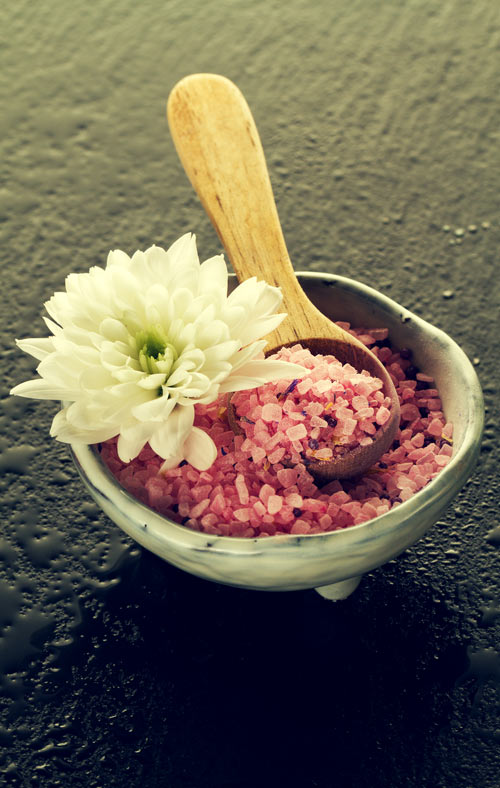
285, 515
352, 507
184, 508
424, 378
294, 500
259, 484
218, 504
340, 497
304, 386
448, 431
209, 520
419, 478
396, 371
271, 412
297, 432
201, 491
323, 454
348, 426
364, 414
322, 385
276, 455
316, 421
315, 408
243, 515
368, 427
425, 461
419, 454
379, 334
241, 489
274, 504
300, 527
366, 339
409, 412
287, 477
265, 491
435, 428
325, 522
370, 510
259, 509
258, 454
426, 393
313, 505
383, 414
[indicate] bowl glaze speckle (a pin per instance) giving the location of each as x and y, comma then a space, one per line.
332, 562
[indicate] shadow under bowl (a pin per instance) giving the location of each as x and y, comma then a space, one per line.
331, 562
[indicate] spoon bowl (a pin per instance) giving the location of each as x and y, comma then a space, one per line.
330, 562
219, 146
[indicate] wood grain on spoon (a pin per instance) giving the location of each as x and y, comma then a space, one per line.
218, 144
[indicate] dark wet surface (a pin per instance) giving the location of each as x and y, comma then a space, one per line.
381, 126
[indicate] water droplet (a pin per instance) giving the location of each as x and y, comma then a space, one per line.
490, 614
17, 458
484, 664
24, 639
493, 536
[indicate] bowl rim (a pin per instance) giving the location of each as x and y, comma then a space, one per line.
90, 465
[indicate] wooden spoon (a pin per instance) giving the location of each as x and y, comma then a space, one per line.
218, 144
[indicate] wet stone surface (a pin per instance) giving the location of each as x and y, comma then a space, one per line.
380, 124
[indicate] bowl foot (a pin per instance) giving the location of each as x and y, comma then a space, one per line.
340, 590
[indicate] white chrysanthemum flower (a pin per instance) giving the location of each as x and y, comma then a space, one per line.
136, 345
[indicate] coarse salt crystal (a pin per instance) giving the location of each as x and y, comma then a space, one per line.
274, 503
250, 490
296, 432
242, 489
243, 515
276, 455
271, 412
435, 428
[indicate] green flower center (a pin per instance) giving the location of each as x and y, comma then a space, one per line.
156, 353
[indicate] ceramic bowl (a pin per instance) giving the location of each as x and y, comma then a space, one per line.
332, 562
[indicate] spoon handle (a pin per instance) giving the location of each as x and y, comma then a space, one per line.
218, 144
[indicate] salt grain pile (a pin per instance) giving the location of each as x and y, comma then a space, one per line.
259, 484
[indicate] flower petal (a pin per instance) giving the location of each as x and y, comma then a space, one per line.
199, 449
39, 348
213, 277
92, 358
44, 389
256, 373
170, 436
157, 409
131, 441
65, 432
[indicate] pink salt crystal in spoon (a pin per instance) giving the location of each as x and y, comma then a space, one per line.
219, 146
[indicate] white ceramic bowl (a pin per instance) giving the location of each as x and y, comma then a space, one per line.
333, 562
